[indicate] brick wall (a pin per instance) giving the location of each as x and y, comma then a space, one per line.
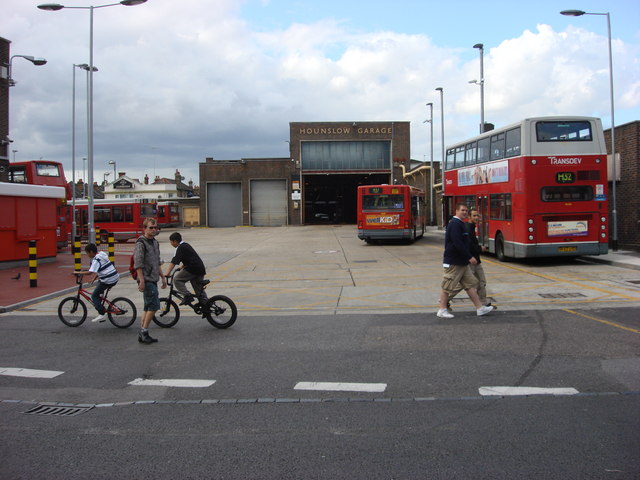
628, 188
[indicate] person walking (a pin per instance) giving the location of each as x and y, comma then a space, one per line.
456, 260
146, 257
192, 270
476, 268
105, 271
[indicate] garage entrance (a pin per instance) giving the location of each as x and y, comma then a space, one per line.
331, 198
268, 203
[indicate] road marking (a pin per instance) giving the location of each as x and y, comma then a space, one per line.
606, 322
341, 386
172, 382
27, 372
507, 391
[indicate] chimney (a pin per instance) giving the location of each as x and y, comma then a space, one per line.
121, 174
146, 179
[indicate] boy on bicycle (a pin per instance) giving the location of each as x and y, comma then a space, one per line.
192, 269
107, 276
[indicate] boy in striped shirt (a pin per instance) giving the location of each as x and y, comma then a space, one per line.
107, 276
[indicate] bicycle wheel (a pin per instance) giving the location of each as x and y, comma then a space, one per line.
72, 311
122, 312
168, 315
221, 311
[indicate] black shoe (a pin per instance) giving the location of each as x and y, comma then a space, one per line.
187, 300
144, 337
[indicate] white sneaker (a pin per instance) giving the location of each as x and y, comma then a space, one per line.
484, 310
100, 318
442, 313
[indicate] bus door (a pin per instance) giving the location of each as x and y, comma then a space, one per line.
483, 224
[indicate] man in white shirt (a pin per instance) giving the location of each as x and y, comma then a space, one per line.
103, 269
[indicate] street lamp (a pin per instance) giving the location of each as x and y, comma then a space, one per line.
430, 121
614, 211
55, 7
441, 90
104, 178
113, 162
480, 82
36, 61
14, 155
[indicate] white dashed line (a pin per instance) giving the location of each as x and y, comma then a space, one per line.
505, 391
172, 382
341, 387
27, 372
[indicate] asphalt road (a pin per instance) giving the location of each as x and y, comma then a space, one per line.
336, 368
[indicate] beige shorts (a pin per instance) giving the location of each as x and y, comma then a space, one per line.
458, 274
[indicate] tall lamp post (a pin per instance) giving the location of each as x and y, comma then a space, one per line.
614, 211
113, 162
441, 90
55, 7
83, 66
480, 82
430, 121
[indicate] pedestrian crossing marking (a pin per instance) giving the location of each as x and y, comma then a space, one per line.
172, 382
342, 386
29, 373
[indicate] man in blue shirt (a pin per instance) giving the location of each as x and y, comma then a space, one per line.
456, 260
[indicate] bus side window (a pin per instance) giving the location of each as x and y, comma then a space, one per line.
483, 150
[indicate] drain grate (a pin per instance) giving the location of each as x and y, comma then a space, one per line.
57, 410
561, 295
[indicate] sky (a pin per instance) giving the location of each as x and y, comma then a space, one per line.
182, 80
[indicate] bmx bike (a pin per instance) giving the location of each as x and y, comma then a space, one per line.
72, 311
219, 310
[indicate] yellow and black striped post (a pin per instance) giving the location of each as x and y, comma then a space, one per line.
97, 236
112, 249
77, 254
33, 264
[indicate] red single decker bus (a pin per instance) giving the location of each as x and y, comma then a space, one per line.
540, 186
387, 212
46, 172
168, 214
122, 217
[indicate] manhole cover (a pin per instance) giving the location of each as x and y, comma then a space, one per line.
57, 410
561, 295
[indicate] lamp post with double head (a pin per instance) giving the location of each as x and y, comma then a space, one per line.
441, 90
91, 8
113, 162
614, 212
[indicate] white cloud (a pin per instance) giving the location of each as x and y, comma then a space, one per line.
178, 84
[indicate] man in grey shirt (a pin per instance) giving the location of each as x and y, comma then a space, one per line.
146, 258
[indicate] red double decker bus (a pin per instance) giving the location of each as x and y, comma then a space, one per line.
46, 172
387, 212
121, 217
540, 186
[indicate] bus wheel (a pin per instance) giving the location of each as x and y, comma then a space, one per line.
500, 248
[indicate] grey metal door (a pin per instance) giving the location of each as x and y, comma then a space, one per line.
224, 204
268, 203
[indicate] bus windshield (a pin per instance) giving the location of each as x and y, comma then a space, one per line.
382, 202
559, 131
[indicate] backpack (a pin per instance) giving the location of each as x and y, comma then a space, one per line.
132, 269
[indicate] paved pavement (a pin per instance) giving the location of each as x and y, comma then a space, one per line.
309, 268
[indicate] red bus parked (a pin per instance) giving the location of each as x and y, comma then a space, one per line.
46, 172
168, 214
540, 186
388, 212
122, 217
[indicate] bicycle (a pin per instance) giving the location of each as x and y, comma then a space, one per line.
219, 310
72, 311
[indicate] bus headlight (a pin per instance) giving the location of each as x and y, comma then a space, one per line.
531, 221
533, 161
597, 160
603, 227
602, 219
603, 235
530, 229
530, 237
